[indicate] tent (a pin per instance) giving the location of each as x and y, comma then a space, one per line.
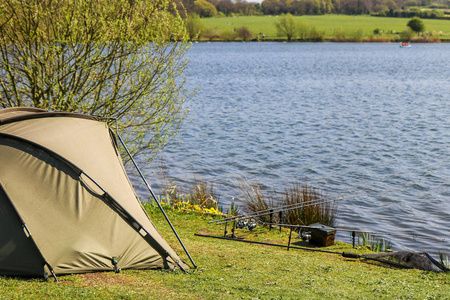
66, 202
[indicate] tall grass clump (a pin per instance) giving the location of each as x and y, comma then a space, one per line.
444, 261
374, 243
254, 199
308, 203
317, 207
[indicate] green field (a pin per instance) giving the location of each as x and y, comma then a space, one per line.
330, 24
232, 270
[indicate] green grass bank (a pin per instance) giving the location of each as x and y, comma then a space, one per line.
232, 270
332, 26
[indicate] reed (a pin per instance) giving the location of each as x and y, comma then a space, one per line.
317, 209
374, 243
254, 199
444, 261
323, 210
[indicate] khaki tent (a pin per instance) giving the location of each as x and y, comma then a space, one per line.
66, 203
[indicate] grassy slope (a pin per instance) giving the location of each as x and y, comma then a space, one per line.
232, 270
348, 24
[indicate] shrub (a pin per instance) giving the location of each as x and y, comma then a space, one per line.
244, 33
357, 35
339, 35
194, 26
211, 34
406, 35
416, 24
316, 35
286, 26
227, 36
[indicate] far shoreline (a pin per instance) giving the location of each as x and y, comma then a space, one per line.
413, 41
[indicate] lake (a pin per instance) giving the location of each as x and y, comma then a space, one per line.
368, 124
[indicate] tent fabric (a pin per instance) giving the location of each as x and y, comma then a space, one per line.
18, 255
64, 176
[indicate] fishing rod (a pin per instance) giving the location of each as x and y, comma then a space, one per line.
269, 211
395, 234
283, 207
370, 232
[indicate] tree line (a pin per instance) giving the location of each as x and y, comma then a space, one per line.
390, 8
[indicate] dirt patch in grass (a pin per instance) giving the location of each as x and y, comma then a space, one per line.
104, 279
204, 232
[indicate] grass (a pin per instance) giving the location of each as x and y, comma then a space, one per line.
330, 24
232, 270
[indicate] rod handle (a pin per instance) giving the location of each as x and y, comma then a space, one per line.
350, 255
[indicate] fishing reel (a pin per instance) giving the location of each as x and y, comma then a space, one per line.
304, 235
246, 224
241, 224
251, 225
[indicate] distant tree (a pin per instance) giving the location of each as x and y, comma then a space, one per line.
245, 8
244, 33
273, 7
357, 35
225, 6
303, 30
194, 26
286, 26
204, 8
227, 35
316, 35
406, 35
416, 24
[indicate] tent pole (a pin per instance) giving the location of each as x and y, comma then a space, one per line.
156, 200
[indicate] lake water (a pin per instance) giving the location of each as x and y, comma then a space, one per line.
368, 124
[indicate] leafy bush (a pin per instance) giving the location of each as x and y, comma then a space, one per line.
227, 36
406, 35
286, 26
194, 26
416, 24
316, 35
211, 34
357, 35
244, 33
